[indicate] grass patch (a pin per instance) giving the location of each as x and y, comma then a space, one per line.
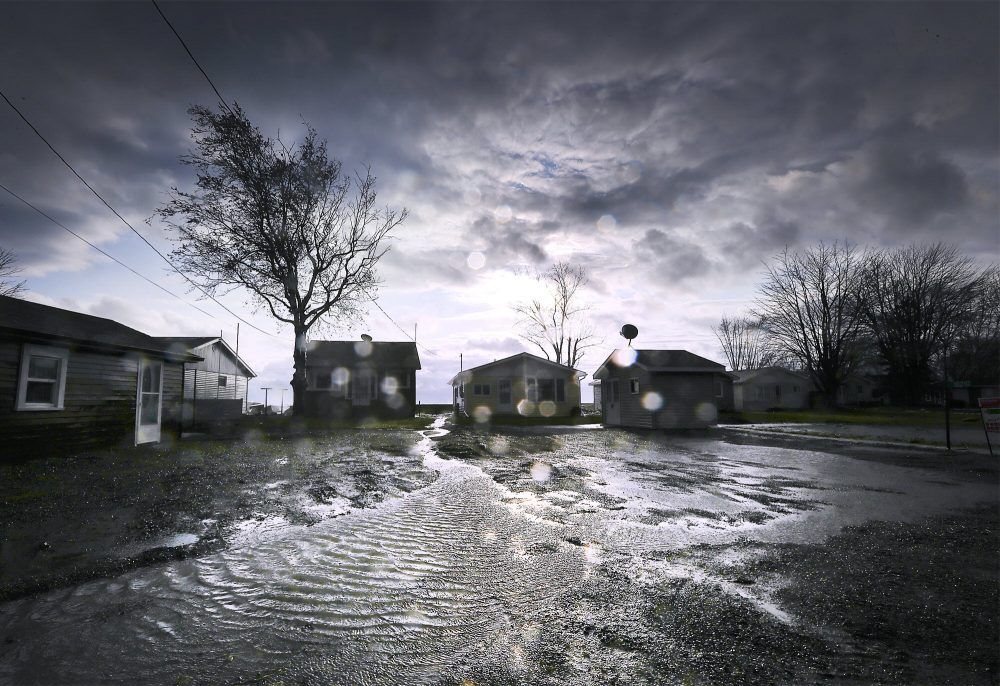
877, 416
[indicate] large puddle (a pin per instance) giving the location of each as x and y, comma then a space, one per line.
461, 572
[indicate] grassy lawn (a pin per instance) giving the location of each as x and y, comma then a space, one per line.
864, 416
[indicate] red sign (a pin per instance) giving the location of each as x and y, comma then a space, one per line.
990, 407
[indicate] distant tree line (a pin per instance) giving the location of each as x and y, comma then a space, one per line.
833, 309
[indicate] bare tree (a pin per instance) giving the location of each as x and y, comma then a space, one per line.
976, 353
745, 343
8, 271
916, 302
809, 304
554, 322
279, 221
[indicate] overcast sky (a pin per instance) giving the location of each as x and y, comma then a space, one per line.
668, 148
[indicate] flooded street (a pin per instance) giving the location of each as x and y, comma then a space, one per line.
578, 556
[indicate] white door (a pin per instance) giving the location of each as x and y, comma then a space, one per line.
149, 402
613, 408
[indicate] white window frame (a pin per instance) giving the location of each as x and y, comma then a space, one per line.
633, 385
223, 381
27, 352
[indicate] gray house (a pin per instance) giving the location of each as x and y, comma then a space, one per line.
662, 389
770, 388
361, 379
70, 381
216, 387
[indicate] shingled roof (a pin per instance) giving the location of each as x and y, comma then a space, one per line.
663, 361
33, 320
353, 353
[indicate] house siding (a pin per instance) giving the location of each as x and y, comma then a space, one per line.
689, 400
518, 371
631, 412
325, 403
761, 392
99, 403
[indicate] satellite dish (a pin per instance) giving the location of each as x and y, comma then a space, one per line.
629, 331
366, 338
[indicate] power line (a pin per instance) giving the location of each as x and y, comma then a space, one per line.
108, 255
426, 349
125, 221
191, 55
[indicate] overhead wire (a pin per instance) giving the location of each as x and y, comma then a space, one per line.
106, 254
125, 221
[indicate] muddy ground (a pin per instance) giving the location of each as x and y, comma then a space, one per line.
569, 556
100, 513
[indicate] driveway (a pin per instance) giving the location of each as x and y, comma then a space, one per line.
582, 556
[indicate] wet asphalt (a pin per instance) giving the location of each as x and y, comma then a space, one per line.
583, 556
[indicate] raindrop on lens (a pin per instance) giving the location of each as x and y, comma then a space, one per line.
476, 260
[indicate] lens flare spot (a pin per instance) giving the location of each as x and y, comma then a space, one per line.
475, 260
363, 348
706, 412
395, 400
607, 223
624, 357
481, 414
390, 385
546, 408
340, 376
499, 445
652, 401
503, 214
540, 471
526, 408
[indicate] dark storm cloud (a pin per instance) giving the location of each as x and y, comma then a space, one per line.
695, 126
669, 259
909, 185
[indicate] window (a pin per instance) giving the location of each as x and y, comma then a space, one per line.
777, 391
759, 392
718, 389
403, 379
42, 381
633, 386
481, 389
560, 390
795, 389
546, 389
503, 391
859, 389
323, 380
223, 381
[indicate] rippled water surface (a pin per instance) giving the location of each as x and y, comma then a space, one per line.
469, 570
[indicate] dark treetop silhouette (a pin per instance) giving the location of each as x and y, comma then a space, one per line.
283, 222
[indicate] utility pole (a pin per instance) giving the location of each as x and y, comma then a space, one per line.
283, 401
947, 405
265, 398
